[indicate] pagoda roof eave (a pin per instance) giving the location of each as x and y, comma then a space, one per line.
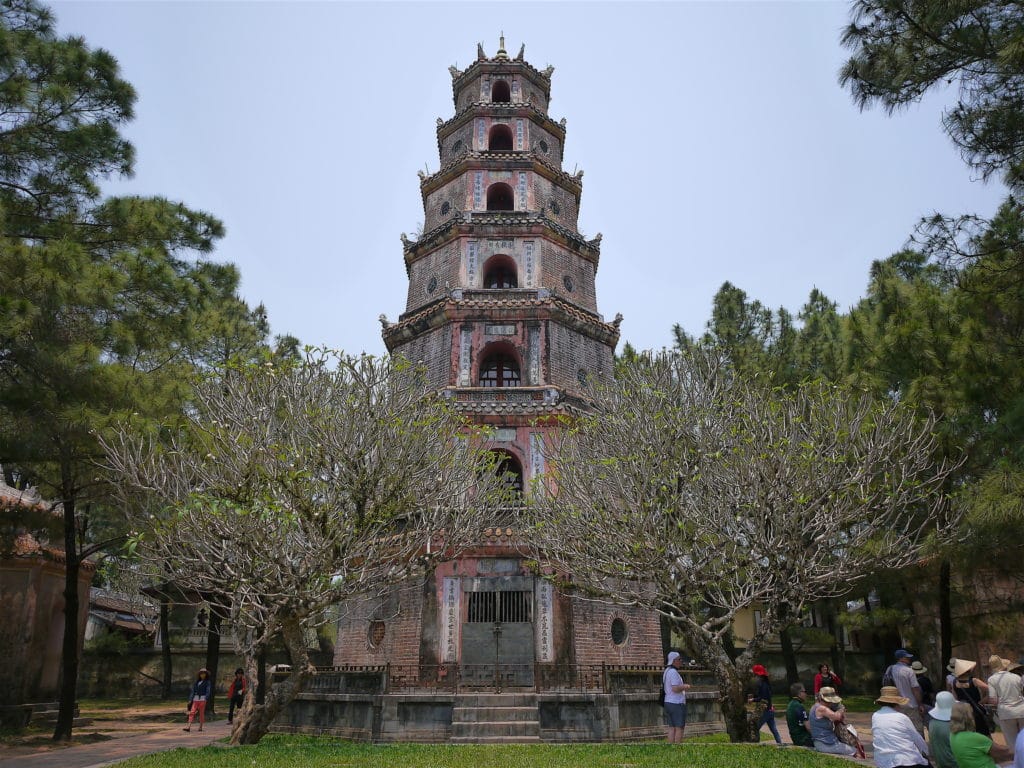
512, 159
484, 223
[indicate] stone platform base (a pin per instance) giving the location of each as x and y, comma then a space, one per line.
526, 717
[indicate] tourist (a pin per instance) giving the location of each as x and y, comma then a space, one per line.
236, 692
1018, 754
970, 748
950, 677
924, 683
762, 699
823, 718
1004, 687
826, 677
971, 690
675, 698
903, 678
200, 694
796, 717
938, 730
897, 742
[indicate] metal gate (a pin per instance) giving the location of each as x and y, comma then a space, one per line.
498, 635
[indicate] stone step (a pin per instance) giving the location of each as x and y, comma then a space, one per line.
493, 714
496, 700
495, 740
485, 729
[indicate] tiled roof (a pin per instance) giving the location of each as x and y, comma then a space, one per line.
504, 219
508, 106
453, 301
575, 181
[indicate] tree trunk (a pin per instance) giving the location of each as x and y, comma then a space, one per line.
69, 650
789, 656
165, 647
261, 675
945, 613
213, 652
254, 720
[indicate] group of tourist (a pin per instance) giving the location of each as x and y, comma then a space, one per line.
956, 721
202, 691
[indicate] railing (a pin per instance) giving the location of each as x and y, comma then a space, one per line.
456, 678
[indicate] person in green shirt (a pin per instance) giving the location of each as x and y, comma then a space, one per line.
796, 717
972, 749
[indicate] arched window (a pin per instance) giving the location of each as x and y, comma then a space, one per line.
500, 92
500, 272
510, 471
499, 139
500, 197
499, 369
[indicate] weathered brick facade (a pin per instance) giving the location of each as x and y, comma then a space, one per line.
502, 311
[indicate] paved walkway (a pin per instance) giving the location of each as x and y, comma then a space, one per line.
112, 751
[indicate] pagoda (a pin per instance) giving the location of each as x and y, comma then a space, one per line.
502, 313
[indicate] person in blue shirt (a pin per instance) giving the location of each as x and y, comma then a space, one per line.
198, 696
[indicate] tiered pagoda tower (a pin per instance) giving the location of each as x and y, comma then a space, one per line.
502, 311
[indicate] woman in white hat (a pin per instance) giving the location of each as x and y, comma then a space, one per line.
1005, 688
938, 730
897, 742
971, 691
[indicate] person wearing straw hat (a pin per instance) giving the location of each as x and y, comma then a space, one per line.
938, 730
971, 690
897, 742
822, 719
1005, 688
970, 748
950, 677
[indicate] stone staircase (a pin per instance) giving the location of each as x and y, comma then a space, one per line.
495, 718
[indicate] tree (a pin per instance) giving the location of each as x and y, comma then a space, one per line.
702, 492
904, 48
293, 485
104, 302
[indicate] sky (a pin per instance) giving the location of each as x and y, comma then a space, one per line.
716, 142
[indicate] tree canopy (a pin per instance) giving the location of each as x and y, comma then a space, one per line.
905, 48
293, 485
701, 491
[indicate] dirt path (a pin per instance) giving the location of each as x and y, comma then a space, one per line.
114, 734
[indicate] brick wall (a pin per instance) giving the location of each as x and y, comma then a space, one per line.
594, 645
457, 193
400, 610
442, 266
557, 203
569, 352
556, 263
434, 350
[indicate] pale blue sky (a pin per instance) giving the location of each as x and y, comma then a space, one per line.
716, 142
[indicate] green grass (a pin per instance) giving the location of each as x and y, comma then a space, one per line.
307, 752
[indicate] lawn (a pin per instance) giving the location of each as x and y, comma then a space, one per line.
295, 751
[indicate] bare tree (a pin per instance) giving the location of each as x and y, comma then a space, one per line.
702, 495
291, 485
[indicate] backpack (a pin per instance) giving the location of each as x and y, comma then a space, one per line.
887, 678
661, 695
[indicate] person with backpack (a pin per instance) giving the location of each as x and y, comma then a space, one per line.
762, 700
674, 692
902, 677
826, 678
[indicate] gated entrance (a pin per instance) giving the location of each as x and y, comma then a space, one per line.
498, 634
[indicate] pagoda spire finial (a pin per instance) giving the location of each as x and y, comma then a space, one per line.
502, 54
